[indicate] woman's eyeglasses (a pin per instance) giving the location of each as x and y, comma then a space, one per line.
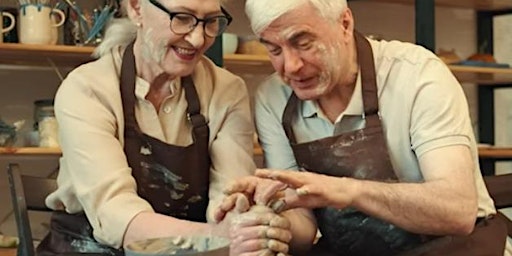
183, 23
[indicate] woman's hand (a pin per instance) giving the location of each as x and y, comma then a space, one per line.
259, 231
255, 230
259, 191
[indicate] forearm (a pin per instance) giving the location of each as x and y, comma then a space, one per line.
147, 225
434, 207
303, 229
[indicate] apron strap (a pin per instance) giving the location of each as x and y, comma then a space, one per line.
289, 111
368, 78
128, 89
200, 126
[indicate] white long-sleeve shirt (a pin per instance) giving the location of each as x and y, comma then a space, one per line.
94, 174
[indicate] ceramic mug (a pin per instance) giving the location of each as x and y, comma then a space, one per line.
8, 28
37, 24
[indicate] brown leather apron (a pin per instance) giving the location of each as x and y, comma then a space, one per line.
173, 179
360, 154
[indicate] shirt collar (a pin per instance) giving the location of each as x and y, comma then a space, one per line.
142, 87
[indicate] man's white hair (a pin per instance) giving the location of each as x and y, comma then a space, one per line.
263, 12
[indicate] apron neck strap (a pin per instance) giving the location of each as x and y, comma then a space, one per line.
368, 78
200, 127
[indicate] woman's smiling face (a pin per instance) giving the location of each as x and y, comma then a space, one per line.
177, 54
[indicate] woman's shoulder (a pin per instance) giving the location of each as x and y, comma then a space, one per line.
97, 79
100, 75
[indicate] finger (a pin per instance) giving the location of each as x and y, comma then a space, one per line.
242, 203
270, 189
294, 179
227, 204
259, 245
265, 252
278, 205
290, 200
252, 219
278, 234
262, 232
278, 246
244, 185
251, 232
279, 222
252, 245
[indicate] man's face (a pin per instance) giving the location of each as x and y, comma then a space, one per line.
177, 54
308, 51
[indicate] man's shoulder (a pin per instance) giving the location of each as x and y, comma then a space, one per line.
399, 51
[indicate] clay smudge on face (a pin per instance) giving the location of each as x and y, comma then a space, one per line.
322, 52
150, 50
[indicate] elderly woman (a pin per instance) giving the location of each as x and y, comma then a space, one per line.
150, 134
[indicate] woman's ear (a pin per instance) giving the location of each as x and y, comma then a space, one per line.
133, 9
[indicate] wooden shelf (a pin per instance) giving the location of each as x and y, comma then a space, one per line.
498, 153
30, 151
39, 55
481, 75
481, 5
63, 55
483, 152
260, 64
248, 64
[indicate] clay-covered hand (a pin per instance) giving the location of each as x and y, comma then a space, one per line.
259, 191
259, 231
310, 190
240, 204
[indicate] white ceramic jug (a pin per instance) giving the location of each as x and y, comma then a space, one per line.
37, 25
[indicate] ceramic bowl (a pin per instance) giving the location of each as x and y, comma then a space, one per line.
229, 43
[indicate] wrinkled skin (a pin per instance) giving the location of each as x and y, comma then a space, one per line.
255, 230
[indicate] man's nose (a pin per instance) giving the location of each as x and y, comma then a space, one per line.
292, 62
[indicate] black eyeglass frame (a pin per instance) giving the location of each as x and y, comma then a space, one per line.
198, 20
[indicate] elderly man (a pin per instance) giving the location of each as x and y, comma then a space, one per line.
380, 131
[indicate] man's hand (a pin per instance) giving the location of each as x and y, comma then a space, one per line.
309, 190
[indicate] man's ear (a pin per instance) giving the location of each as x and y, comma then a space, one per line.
346, 22
133, 9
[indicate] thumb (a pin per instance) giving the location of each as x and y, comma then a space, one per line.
242, 203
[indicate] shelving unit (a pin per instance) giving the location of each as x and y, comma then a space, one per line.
484, 152
479, 5
19, 54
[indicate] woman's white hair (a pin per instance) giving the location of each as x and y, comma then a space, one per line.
120, 32
263, 12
